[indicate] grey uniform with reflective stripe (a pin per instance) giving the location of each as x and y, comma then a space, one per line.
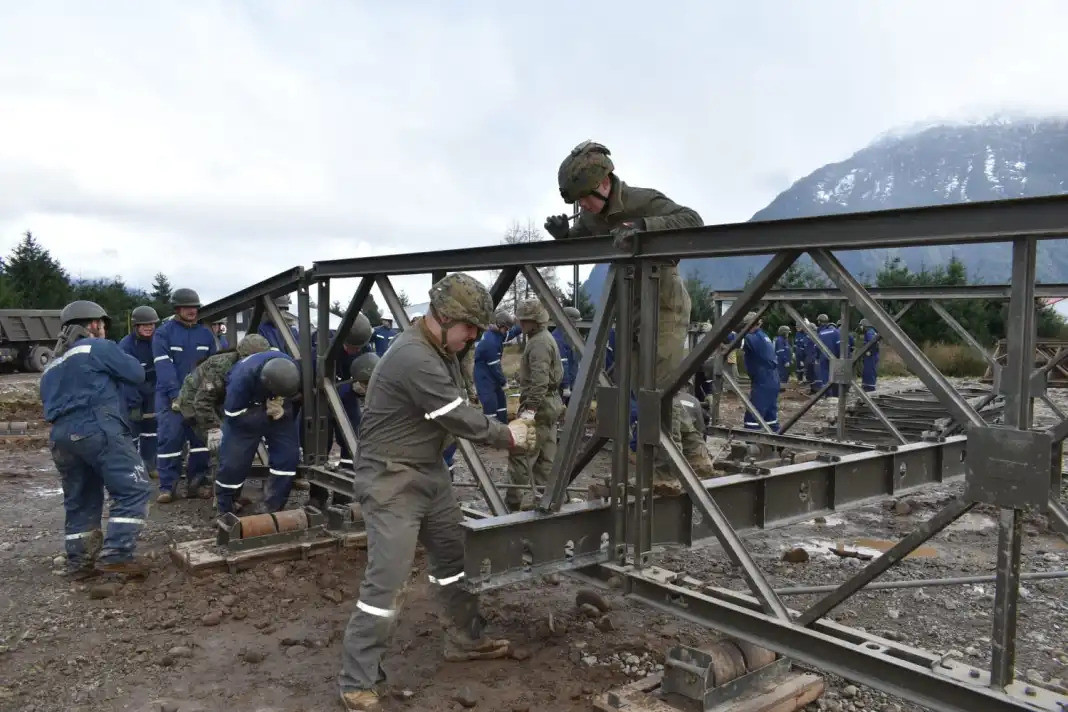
414, 407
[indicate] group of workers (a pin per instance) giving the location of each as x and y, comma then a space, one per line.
175, 391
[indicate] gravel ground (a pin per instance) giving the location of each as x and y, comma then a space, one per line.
269, 638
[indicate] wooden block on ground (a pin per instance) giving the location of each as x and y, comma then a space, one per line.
784, 694
203, 556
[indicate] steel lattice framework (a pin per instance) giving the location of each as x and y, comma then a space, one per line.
1012, 466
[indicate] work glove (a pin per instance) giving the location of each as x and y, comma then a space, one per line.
136, 415
623, 236
174, 406
275, 409
214, 438
557, 226
567, 393
359, 389
526, 415
524, 436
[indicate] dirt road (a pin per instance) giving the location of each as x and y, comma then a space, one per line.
269, 638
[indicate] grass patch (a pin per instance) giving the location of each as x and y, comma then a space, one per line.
955, 360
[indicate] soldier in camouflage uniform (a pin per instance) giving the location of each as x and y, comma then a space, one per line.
467, 367
610, 206
692, 434
201, 396
415, 404
540, 374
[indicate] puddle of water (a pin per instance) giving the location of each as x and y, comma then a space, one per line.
822, 547
831, 521
921, 552
972, 522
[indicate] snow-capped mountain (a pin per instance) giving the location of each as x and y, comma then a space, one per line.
937, 165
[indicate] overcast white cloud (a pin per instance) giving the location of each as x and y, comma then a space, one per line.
222, 142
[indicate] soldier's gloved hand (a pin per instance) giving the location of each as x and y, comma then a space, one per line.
275, 409
214, 438
524, 435
174, 406
567, 393
526, 415
556, 225
623, 236
136, 415
359, 389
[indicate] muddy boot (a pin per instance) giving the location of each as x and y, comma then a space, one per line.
204, 492
153, 474
701, 464
459, 646
365, 700
164, 497
301, 483
81, 572
132, 568
665, 484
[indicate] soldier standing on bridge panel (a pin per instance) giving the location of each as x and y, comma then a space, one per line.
609, 205
415, 405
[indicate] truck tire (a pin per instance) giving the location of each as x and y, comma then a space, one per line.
39, 358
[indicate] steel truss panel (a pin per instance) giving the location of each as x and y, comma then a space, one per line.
512, 548
276, 286
885, 294
910, 673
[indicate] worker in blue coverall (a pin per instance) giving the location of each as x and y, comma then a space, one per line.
141, 399
870, 362
218, 327
812, 360
383, 336
178, 345
801, 354
258, 406
784, 355
489, 374
830, 337
271, 331
83, 393
762, 366
568, 357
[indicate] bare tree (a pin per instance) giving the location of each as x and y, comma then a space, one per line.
518, 234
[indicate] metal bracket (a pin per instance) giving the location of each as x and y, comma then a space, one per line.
228, 532
650, 417
841, 371
692, 673
342, 518
1039, 383
607, 397
1008, 467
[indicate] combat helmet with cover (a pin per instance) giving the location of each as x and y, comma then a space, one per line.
362, 366
583, 171
572, 313
459, 297
532, 310
252, 344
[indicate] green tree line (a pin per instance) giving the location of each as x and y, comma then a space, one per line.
31, 278
984, 319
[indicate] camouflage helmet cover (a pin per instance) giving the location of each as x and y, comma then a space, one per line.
144, 315
583, 170
461, 297
361, 367
532, 310
572, 313
822, 319
252, 344
784, 330
83, 309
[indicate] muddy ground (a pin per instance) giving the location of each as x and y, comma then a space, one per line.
269, 638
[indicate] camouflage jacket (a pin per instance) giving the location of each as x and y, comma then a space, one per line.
626, 203
540, 375
203, 390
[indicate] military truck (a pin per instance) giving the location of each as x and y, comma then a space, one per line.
27, 337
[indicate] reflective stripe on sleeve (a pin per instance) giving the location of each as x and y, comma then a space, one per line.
445, 409
235, 413
164, 357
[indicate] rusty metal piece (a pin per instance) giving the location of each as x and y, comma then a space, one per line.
755, 656
257, 525
727, 662
291, 520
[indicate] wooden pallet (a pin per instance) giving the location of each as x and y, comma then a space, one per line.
203, 556
784, 694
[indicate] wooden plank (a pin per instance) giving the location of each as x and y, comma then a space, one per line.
203, 556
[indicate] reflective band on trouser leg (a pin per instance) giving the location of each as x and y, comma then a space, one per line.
236, 451
374, 611
283, 454
199, 458
448, 580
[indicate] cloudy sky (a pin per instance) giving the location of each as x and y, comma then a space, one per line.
222, 142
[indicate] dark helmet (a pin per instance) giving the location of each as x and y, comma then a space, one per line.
283, 301
583, 170
461, 297
362, 366
281, 377
185, 297
360, 333
144, 315
83, 310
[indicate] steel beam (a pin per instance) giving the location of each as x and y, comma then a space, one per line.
392, 301
993, 221
279, 284
275, 315
964, 335
796, 442
912, 674
337, 344
886, 294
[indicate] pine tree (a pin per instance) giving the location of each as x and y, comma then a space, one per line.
35, 278
161, 289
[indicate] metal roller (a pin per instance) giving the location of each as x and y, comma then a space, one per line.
291, 520
257, 525
727, 663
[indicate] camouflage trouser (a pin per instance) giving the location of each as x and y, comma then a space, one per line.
693, 445
467, 368
537, 463
673, 318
